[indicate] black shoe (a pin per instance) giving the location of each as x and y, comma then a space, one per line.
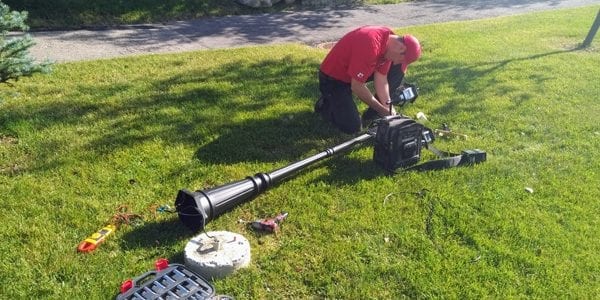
319, 105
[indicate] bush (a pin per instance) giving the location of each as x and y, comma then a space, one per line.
15, 61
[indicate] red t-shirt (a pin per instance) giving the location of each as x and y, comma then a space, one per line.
358, 54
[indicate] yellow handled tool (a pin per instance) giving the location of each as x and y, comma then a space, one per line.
90, 244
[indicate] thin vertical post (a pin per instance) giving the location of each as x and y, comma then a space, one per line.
588, 40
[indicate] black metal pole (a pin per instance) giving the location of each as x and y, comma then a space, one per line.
197, 208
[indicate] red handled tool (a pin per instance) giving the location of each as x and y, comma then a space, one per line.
269, 225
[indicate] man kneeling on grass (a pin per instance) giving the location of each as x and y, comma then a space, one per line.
369, 53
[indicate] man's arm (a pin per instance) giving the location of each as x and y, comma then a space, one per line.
361, 90
382, 88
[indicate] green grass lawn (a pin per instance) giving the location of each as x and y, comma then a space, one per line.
64, 14
92, 136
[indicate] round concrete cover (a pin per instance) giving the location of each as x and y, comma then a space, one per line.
216, 254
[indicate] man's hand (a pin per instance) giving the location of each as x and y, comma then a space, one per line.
361, 90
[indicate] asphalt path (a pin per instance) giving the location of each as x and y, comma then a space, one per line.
309, 27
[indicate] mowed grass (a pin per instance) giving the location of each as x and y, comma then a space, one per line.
92, 136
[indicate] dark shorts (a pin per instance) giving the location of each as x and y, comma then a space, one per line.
338, 106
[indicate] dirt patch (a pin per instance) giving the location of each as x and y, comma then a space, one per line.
12, 169
326, 45
8, 140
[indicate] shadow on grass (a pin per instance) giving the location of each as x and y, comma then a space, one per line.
282, 138
482, 79
142, 110
205, 115
201, 117
164, 234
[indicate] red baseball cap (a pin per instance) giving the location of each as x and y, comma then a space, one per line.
413, 50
